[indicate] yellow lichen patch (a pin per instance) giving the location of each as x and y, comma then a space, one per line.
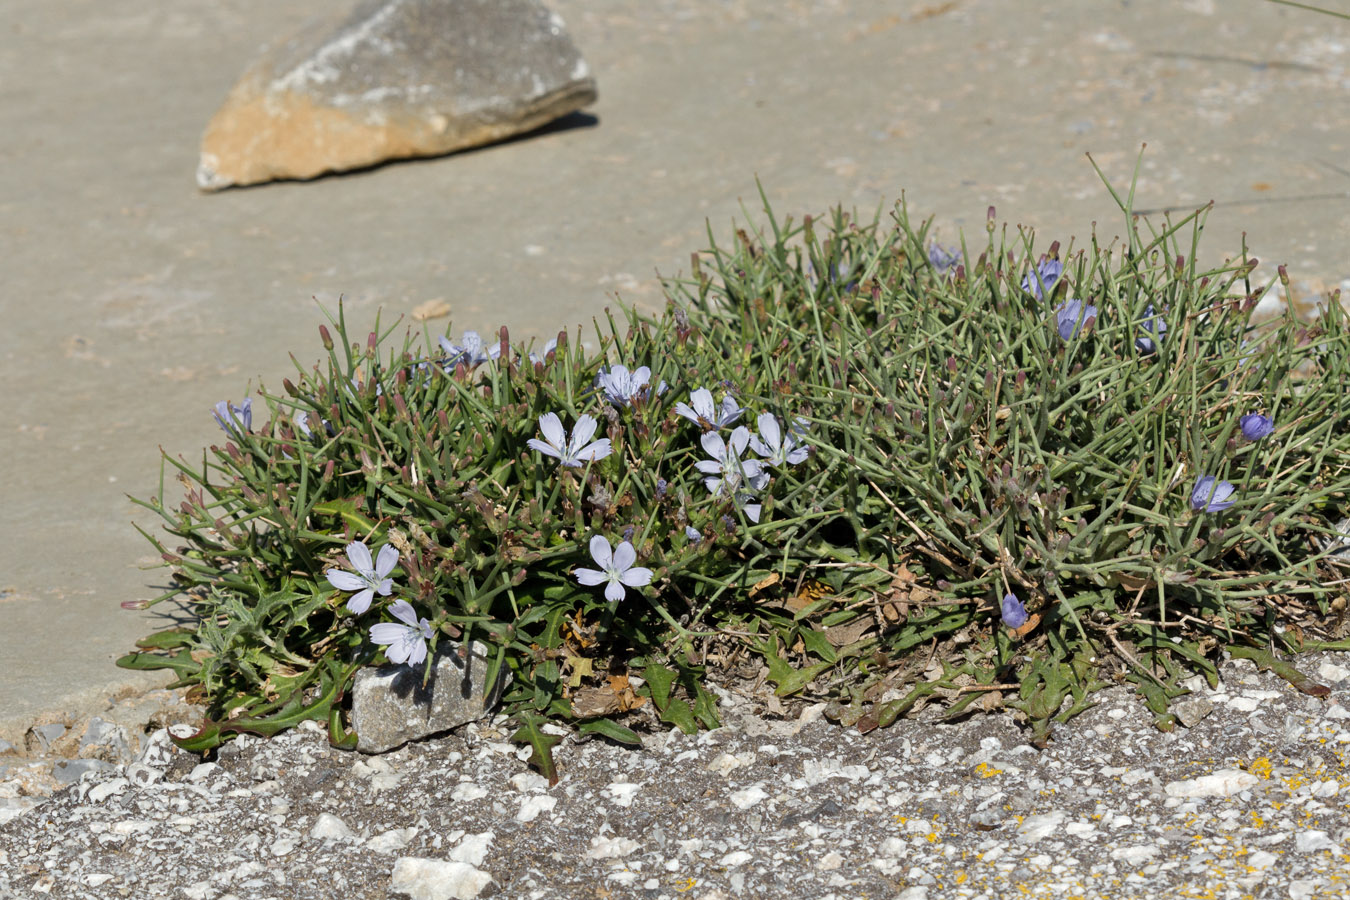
1260, 767
984, 770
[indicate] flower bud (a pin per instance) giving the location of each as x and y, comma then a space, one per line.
325, 337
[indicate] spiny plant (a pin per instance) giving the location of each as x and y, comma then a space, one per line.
845, 460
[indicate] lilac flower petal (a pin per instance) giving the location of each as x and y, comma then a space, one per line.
752, 511
594, 451
614, 591
739, 439
344, 581
552, 429
797, 455
708, 466
360, 602
692, 533
714, 445
418, 652
1047, 272
768, 430
590, 577
385, 588
702, 402
637, 576
582, 432
387, 632
1255, 426
729, 411
601, 551
624, 556
386, 561
1014, 613
358, 554
1211, 495
546, 449
403, 611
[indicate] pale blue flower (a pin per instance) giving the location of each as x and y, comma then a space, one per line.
1154, 327
1255, 426
701, 412
550, 346
728, 474
776, 448
621, 387
406, 642
1211, 495
471, 351
370, 578
693, 534
1042, 280
575, 452
943, 258
616, 569
1070, 316
1014, 613
232, 418
301, 420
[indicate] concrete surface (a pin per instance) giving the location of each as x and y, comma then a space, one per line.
131, 303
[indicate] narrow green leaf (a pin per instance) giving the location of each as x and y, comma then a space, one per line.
609, 729
541, 756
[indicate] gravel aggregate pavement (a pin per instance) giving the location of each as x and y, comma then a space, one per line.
1248, 802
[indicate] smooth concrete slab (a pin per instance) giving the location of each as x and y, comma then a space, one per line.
131, 303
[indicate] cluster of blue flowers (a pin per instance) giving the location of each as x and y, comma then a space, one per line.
1072, 317
407, 638
728, 473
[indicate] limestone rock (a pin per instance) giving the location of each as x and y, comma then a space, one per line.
437, 879
391, 707
392, 79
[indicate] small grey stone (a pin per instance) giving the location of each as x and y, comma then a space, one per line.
7, 747
106, 741
1190, 711
41, 737
987, 819
69, 771
437, 879
157, 751
391, 707
392, 79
